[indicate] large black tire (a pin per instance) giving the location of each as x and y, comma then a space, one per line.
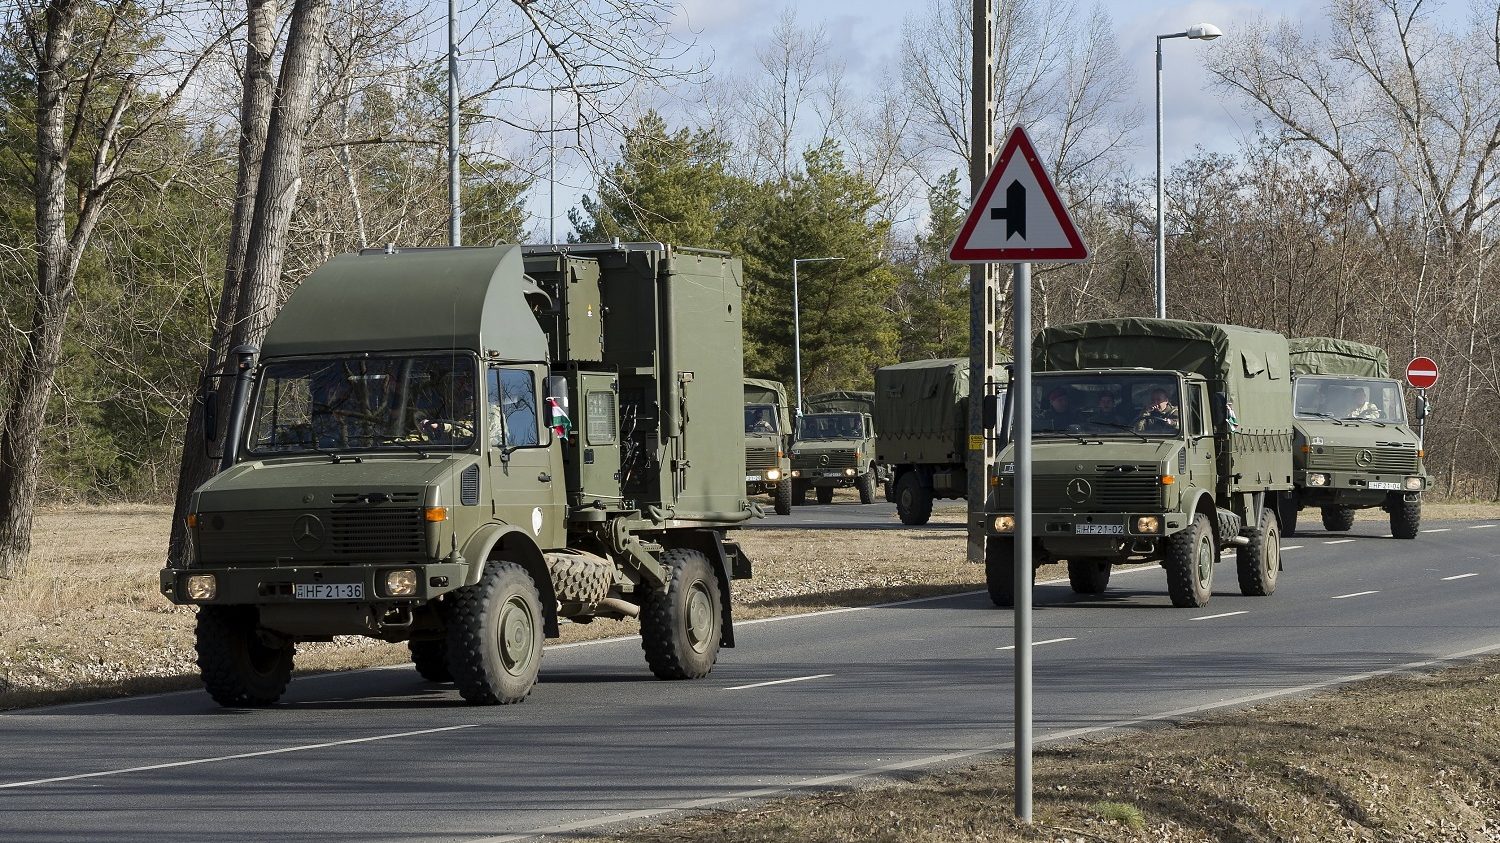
866, 486
431, 659
783, 496
913, 500
1286, 512
1088, 575
799, 492
1337, 519
1259, 562
495, 636
1000, 570
825, 494
240, 669
1406, 517
1190, 559
681, 624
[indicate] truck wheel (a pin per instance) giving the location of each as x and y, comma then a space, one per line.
1088, 576
239, 668
1337, 519
799, 492
1406, 517
866, 484
825, 494
1260, 561
783, 496
1191, 555
681, 624
495, 636
913, 501
431, 659
1000, 570
1286, 512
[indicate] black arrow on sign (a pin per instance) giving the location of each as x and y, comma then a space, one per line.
1014, 212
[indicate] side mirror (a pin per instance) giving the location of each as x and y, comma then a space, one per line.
1421, 407
210, 415
990, 411
1220, 411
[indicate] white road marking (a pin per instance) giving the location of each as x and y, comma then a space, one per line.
779, 682
263, 752
1222, 615
1438, 530
992, 749
1039, 643
1339, 541
1459, 577
1291, 547
1481, 526
1355, 594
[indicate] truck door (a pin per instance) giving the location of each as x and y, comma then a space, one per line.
525, 465
1199, 426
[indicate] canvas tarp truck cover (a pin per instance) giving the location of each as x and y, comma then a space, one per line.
1331, 356
759, 391
842, 401
922, 411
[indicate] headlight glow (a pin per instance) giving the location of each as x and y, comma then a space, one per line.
1316, 479
202, 586
1148, 524
773, 474
848, 472
1004, 523
401, 583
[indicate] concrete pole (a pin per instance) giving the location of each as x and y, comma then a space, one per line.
455, 237
1161, 243
981, 448
1020, 415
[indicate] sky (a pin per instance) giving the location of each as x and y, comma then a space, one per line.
866, 36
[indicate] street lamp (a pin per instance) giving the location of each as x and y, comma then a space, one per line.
797, 325
1199, 32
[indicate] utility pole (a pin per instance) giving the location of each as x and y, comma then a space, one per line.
982, 292
455, 217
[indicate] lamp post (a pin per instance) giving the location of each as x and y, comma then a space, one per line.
797, 325
1198, 32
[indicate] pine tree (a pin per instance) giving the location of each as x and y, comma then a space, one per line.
934, 295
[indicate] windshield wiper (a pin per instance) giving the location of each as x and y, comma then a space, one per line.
1082, 440
1328, 416
1125, 427
332, 455
1371, 421
410, 446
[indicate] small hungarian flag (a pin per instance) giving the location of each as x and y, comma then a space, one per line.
561, 424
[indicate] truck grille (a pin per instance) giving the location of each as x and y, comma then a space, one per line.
347, 535
1373, 460
1112, 488
759, 459
825, 459
372, 532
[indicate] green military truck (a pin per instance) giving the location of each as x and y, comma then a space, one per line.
921, 433
768, 440
1353, 447
459, 449
835, 447
1153, 440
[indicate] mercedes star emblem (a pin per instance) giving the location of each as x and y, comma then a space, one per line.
1078, 490
307, 532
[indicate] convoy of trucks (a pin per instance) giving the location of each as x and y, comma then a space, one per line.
835, 447
1353, 446
768, 443
462, 448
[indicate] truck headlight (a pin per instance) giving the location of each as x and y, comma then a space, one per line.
1414, 484
1004, 523
1148, 524
401, 583
796, 473
848, 472
201, 586
1316, 479
773, 474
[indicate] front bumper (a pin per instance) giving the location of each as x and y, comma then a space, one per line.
1093, 533
265, 585
826, 476
1354, 487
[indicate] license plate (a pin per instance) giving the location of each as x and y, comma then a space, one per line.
1382, 484
752, 478
330, 591
1100, 529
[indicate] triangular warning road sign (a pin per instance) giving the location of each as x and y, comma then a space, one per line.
1018, 217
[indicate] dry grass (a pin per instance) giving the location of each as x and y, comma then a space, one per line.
1403, 758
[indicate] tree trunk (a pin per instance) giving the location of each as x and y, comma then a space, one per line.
25, 418
255, 116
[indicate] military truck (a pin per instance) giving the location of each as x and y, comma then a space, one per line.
1353, 447
1153, 440
835, 447
768, 443
460, 449
921, 432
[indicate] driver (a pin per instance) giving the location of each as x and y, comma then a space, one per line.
1363, 407
1058, 413
1160, 414
761, 422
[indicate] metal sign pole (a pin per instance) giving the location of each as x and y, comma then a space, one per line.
1020, 402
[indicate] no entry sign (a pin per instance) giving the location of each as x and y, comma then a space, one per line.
1422, 372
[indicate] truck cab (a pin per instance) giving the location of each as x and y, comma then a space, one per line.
834, 449
768, 437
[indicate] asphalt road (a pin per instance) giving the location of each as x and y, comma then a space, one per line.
815, 699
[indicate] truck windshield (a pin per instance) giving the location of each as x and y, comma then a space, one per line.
760, 418
1343, 398
364, 403
831, 426
1147, 404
